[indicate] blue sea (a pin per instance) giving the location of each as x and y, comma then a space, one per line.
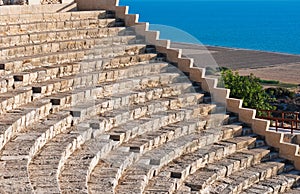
269, 25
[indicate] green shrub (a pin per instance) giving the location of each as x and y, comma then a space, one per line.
247, 88
222, 68
269, 82
280, 92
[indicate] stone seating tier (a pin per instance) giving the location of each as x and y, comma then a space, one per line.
88, 105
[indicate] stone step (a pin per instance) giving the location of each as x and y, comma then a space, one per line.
108, 80
177, 170
24, 146
51, 17
18, 64
11, 182
259, 154
293, 191
45, 51
277, 184
217, 120
127, 98
273, 155
6, 82
176, 130
14, 99
18, 119
19, 34
139, 127
102, 115
41, 74
180, 190
60, 58
100, 179
288, 165
232, 130
181, 168
86, 65
48, 73
115, 57
97, 36
112, 51
243, 141
47, 163
64, 139
87, 109
16, 41
23, 79
120, 64
233, 119
162, 84
136, 177
99, 125
220, 110
208, 99
255, 188
115, 122
109, 170
203, 178
80, 180
154, 139
77, 168
247, 131
241, 180
52, 105
118, 61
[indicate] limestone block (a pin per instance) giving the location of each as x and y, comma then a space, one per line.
37, 49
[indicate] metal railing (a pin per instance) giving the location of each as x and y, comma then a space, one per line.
282, 119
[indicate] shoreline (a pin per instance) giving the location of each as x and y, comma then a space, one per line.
283, 67
236, 48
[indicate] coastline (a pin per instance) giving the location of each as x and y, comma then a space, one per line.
236, 48
283, 67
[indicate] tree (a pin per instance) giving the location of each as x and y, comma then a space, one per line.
247, 88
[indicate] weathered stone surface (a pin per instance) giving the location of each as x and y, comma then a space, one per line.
87, 106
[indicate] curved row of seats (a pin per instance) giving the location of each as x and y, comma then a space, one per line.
87, 107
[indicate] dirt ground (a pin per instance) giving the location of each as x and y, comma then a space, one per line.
288, 73
265, 65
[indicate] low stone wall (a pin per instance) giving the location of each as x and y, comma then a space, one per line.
97, 4
68, 5
33, 2
220, 95
13, 2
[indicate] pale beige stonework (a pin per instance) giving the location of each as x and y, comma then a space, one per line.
88, 105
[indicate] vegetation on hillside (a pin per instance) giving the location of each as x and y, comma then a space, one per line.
247, 88
250, 89
280, 92
271, 82
286, 100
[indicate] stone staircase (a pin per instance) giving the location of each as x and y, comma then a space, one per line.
89, 106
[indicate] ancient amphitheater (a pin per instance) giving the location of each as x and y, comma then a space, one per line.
93, 102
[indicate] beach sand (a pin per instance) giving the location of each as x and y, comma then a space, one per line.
287, 73
265, 65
